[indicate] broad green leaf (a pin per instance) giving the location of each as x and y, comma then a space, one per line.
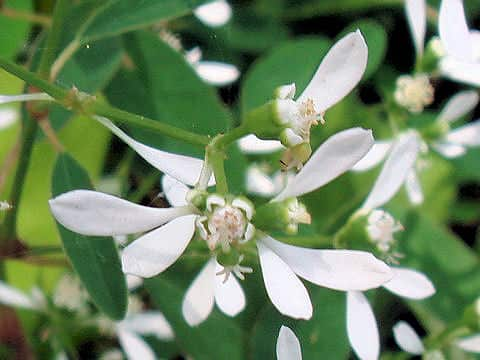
376, 39
218, 338
172, 92
293, 61
17, 30
322, 337
121, 16
95, 259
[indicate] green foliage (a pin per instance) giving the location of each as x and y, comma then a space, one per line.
95, 259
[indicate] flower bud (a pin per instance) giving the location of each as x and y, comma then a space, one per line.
282, 216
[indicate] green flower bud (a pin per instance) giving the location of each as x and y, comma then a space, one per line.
197, 198
282, 216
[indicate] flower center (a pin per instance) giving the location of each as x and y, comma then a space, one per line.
414, 92
227, 223
381, 227
308, 117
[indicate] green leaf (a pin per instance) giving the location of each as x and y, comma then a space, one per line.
293, 61
172, 93
17, 30
376, 39
322, 337
217, 338
128, 15
95, 259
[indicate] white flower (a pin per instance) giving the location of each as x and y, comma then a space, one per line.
213, 72
5, 206
288, 346
405, 149
338, 73
461, 45
408, 340
344, 270
381, 227
414, 92
209, 287
361, 324
70, 294
455, 142
215, 13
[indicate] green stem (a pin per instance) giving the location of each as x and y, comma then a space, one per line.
124, 117
28, 138
232, 135
31, 126
217, 158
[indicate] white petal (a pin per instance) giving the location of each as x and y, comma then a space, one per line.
339, 72
175, 191
5, 99
229, 296
154, 252
407, 339
193, 55
450, 151
199, 298
335, 156
215, 13
374, 157
7, 117
94, 213
414, 188
460, 104
395, 170
453, 30
335, 269
284, 288
250, 144
217, 73
288, 346
461, 71
11, 296
149, 323
183, 168
259, 183
471, 343
417, 21
468, 135
362, 327
410, 284
133, 282
134, 346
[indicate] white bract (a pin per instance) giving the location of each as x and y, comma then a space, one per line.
460, 44
288, 346
361, 324
215, 13
212, 72
338, 73
408, 340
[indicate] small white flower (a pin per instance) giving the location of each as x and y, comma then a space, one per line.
212, 72
5, 206
70, 294
288, 346
414, 92
461, 45
381, 227
338, 73
408, 340
215, 13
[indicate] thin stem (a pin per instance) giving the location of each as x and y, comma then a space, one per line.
64, 56
216, 158
28, 16
124, 117
231, 136
89, 105
28, 138
51, 135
